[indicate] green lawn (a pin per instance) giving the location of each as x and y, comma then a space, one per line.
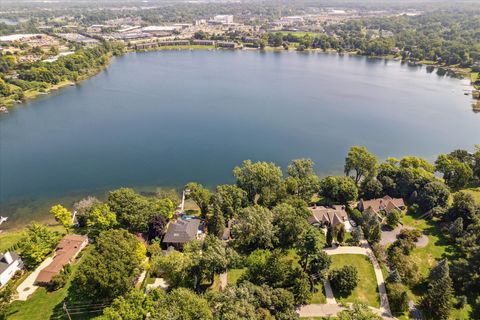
366, 290
43, 304
234, 274
319, 295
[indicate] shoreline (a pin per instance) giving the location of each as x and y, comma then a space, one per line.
456, 72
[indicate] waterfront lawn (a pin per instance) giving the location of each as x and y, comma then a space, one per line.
234, 274
366, 290
10, 238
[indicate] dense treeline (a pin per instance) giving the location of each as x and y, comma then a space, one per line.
16, 78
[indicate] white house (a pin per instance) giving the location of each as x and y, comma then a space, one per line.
10, 263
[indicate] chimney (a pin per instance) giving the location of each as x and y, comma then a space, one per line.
8, 257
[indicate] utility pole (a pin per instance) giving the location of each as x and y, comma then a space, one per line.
66, 310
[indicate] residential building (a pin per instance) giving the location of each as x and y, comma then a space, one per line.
10, 263
67, 250
204, 42
180, 232
385, 204
222, 19
174, 43
329, 216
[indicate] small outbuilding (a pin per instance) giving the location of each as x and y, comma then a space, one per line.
10, 263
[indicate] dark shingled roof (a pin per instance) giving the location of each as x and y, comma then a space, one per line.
181, 231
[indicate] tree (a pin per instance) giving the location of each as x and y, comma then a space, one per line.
177, 268
393, 218
338, 189
464, 207
289, 224
260, 179
134, 305
319, 265
6, 296
357, 235
134, 211
456, 174
37, 244
311, 243
99, 218
433, 194
156, 226
182, 303
200, 196
344, 280
358, 312
437, 302
330, 235
397, 297
213, 259
216, 223
231, 199
361, 161
302, 180
62, 215
253, 228
340, 232
111, 268
371, 189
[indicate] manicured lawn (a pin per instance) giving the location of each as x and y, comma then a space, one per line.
233, 275
43, 304
366, 290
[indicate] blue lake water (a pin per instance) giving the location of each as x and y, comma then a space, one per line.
166, 118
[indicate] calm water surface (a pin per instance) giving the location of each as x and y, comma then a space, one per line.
166, 118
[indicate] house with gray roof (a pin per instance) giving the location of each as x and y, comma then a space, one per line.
10, 263
180, 232
328, 216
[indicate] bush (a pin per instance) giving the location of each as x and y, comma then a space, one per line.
344, 280
393, 218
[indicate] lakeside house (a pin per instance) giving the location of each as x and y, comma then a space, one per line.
67, 250
180, 232
10, 263
381, 205
227, 45
329, 216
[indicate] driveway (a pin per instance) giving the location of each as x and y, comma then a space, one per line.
389, 236
366, 250
27, 287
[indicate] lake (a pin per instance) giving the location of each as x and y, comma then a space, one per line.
166, 118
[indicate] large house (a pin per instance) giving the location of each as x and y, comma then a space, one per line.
67, 250
385, 205
328, 216
180, 232
10, 263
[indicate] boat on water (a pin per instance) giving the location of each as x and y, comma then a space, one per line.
3, 219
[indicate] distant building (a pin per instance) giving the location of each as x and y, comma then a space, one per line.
180, 232
67, 250
10, 263
154, 29
385, 204
224, 44
174, 43
328, 216
20, 37
143, 46
222, 19
204, 42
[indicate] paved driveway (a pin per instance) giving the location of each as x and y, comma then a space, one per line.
27, 287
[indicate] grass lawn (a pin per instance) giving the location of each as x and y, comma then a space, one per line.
234, 274
43, 304
366, 290
319, 295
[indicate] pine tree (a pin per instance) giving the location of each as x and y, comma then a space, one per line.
437, 301
394, 277
330, 235
340, 233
